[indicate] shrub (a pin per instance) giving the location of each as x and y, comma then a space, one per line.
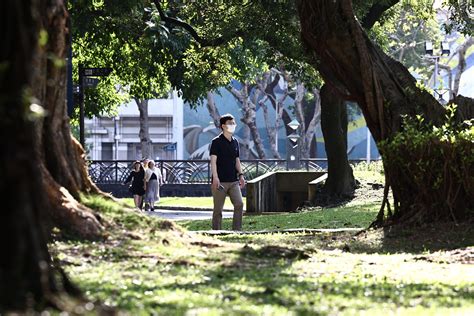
431, 169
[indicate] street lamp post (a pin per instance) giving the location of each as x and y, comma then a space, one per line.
117, 137
429, 50
293, 161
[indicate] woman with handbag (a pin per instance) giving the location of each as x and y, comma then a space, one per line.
137, 188
153, 181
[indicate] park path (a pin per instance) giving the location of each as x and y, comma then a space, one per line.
177, 215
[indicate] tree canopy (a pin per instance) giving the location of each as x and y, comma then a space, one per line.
198, 46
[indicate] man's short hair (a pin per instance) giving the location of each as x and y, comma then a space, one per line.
224, 118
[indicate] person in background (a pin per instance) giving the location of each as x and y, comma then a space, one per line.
145, 167
138, 186
227, 176
145, 163
153, 181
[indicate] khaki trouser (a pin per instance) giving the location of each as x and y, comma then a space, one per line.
233, 190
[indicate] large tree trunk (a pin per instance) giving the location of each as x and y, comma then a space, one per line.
340, 181
383, 88
62, 159
27, 278
144, 133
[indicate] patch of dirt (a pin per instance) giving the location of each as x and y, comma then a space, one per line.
365, 191
167, 225
205, 244
463, 255
274, 252
440, 238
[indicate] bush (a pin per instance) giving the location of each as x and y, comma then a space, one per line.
431, 170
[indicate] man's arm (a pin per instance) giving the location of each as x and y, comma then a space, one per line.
238, 167
215, 178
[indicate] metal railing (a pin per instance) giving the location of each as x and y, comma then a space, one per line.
194, 171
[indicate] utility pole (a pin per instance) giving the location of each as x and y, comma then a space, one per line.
91, 83
81, 107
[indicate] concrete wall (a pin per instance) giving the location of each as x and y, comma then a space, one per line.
279, 191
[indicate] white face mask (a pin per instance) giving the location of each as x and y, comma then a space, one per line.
230, 128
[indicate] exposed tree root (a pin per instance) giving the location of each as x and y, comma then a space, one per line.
69, 215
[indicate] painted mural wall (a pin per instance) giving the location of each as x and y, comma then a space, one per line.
199, 128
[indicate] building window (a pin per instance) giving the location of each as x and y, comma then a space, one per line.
107, 151
134, 151
160, 152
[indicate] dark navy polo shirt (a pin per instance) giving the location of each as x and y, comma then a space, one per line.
226, 152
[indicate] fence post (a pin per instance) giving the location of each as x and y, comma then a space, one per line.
208, 172
116, 171
161, 170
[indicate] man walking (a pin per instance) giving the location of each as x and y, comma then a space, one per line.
227, 176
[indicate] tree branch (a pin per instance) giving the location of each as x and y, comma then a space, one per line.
461, 63
204, 42
376, 11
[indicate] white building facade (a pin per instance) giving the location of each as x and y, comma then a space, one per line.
116, 138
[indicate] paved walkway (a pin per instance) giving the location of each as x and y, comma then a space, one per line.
186, 215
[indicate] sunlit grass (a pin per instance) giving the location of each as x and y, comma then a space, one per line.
356, 216
369, 172
188, 202
206, 276
182, 273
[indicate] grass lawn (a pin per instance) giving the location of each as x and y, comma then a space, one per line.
193, 202
359, 215
152, 267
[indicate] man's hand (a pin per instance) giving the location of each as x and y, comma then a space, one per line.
242, 181
215, 183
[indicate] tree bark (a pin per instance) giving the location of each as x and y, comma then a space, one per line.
383, 88
340, 181
61, 158
27, 277
144, 134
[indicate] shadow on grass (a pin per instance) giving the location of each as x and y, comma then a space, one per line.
439, 237
415, 240
262, 276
